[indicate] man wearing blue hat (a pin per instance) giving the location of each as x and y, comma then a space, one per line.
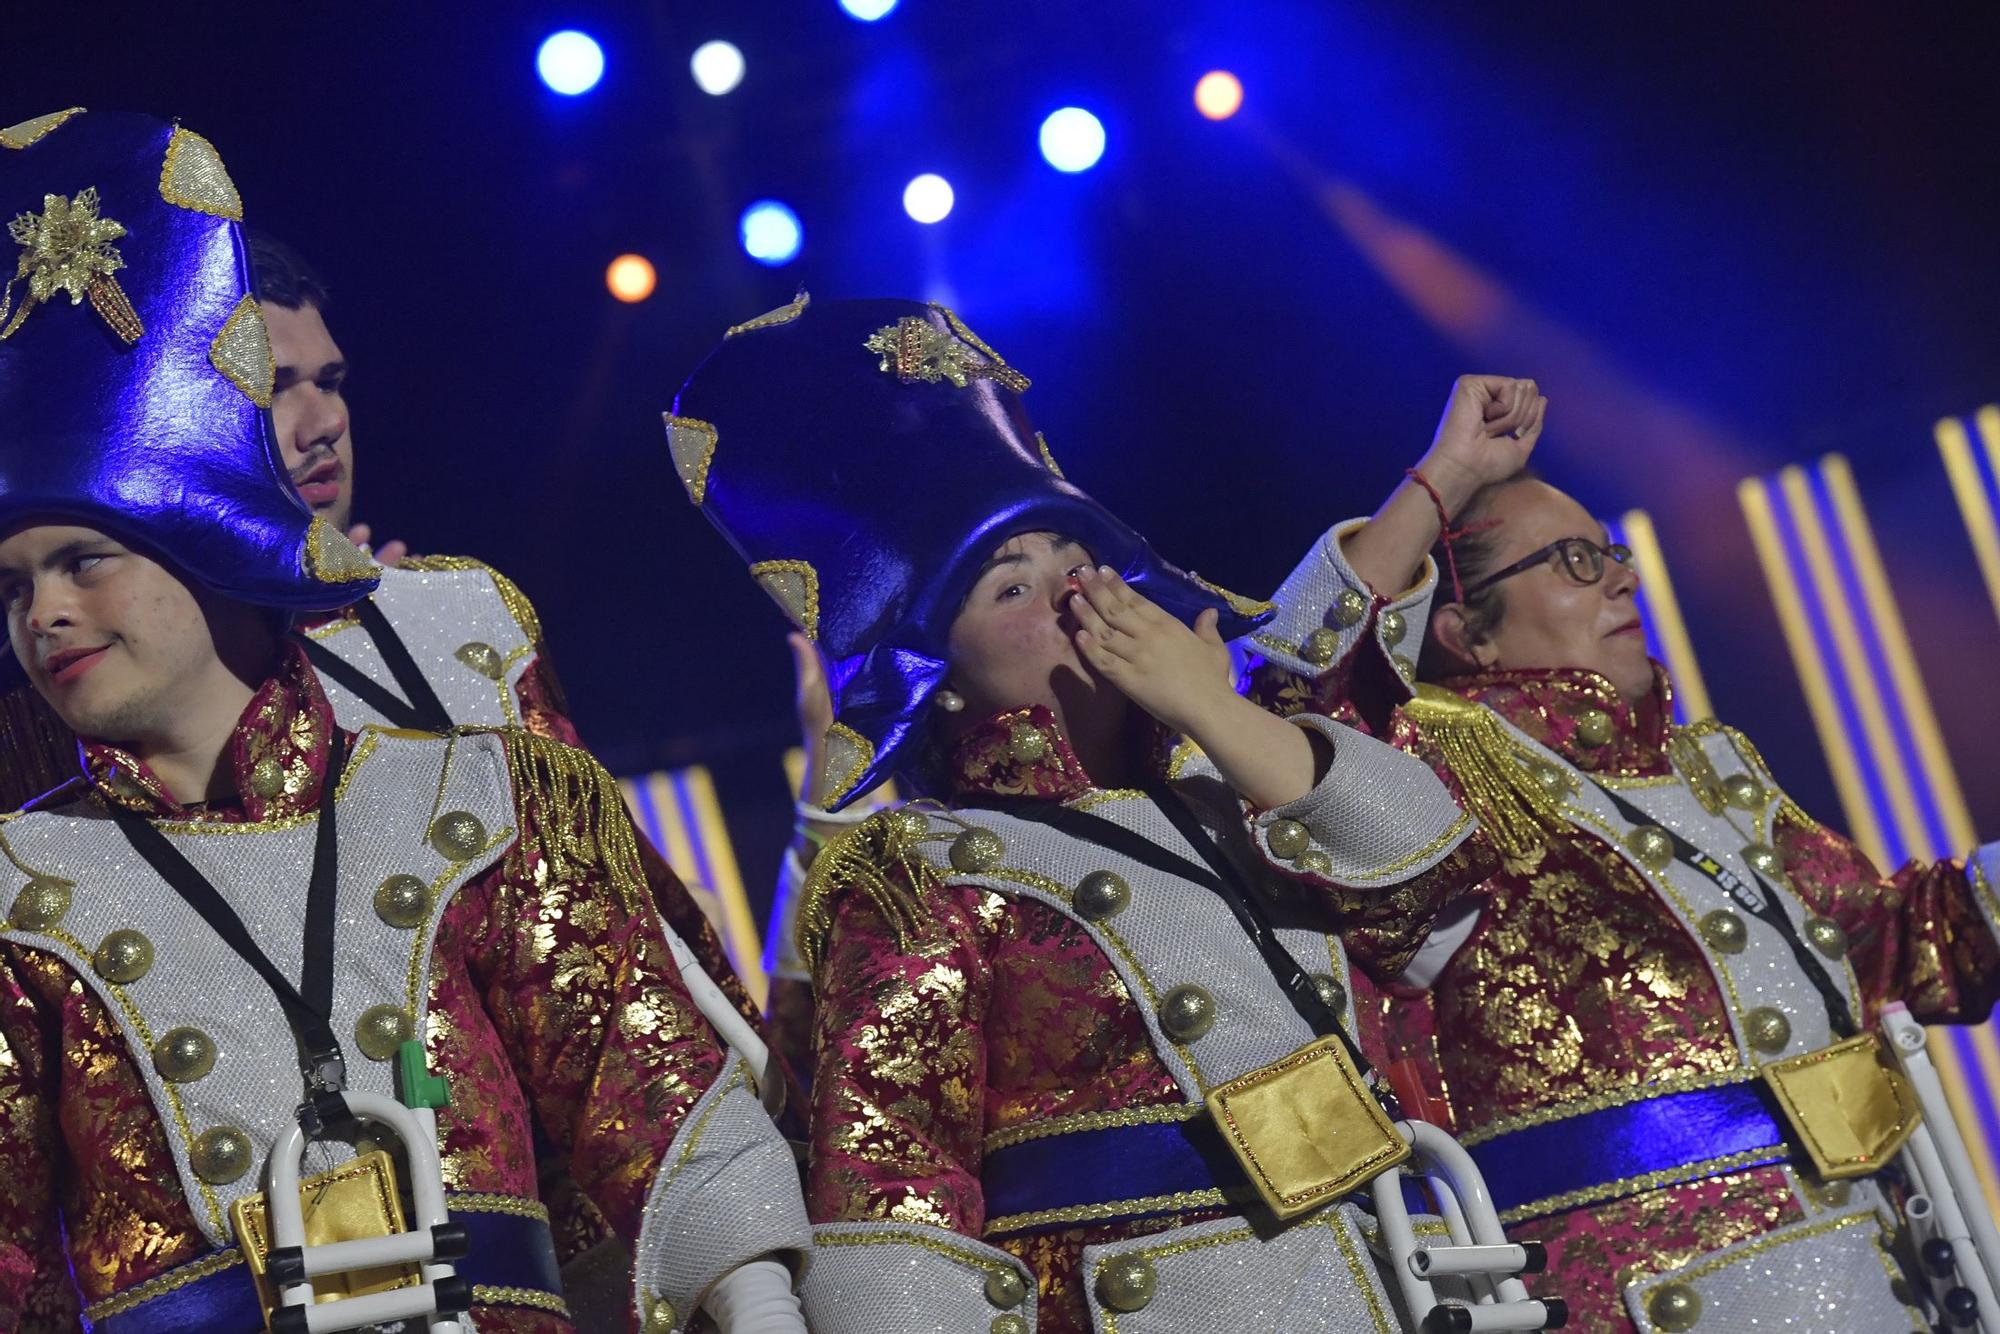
1054, 997
245, 920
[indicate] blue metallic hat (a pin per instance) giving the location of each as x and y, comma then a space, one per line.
135, 370
866, 457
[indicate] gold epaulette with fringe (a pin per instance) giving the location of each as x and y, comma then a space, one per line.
880, 858
580, 818
1519, 814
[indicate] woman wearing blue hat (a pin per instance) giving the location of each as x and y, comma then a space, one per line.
1075, 1004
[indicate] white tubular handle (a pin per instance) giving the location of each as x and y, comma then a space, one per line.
1958, 1203
1478, 1251
729, 1022
418, 1131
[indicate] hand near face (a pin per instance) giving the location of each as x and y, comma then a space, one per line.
391, 553
1489, 428
1179, 675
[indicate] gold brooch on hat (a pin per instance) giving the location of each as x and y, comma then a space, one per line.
67, 248
913, 349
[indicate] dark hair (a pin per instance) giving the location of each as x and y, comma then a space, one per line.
283, 277
1475, 554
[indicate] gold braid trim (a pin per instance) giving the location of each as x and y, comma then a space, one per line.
580, 818
879, 857
1517, 812
518, 606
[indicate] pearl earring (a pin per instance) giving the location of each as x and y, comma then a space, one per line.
949, 700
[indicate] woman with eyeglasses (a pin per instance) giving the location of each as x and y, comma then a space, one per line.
1655, 1027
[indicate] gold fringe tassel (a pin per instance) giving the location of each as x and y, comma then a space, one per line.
1517, 812
880, 858
580, 817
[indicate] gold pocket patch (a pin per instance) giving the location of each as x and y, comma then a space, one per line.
1306, 1129
1849, 1105
357, 1199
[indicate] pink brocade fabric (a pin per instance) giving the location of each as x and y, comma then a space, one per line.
1578, 980
553, 1001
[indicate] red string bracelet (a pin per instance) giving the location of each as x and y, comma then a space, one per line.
1446, 532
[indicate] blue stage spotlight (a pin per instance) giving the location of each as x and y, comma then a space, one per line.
1072, 139
771, 233
867, 10
718, 67
570, 62
928, 198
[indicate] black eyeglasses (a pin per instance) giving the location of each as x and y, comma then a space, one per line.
1578, 557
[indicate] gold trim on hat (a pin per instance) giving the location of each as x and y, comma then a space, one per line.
784, 314
794, 586
193, 177
692, 443
32, 131
332, 559
242, 352
67, 248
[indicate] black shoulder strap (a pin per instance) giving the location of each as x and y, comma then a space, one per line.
1761, 902
419, 709
1219, 875
308, 1007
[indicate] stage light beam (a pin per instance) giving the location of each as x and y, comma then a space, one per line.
867, 11
630, 278
1072, 139
928, 198
570, 62
717, 67
771, 233
1219, 95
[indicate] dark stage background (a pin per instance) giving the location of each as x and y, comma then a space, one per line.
1725, 237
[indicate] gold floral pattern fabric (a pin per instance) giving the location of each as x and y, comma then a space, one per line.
553, 1004
1579, 980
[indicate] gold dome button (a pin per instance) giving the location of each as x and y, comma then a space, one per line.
381, 1029
1005, 1289
458, 835
1768, 1029
1550, 777
1313, 862
1187, 1012
1008, 1324
1826, 936
221, 1155
1743, 792
481, 658
1027, 743
1320, 646
1350, 607
1126, 1282
1404, 667
184, 1055
403, 901
1764, 861
659, 1316
1674, 1307
1724, 931
42, 902
1287, 838
267, 777
1829, 1194
976, 851
911, 826
1593, 727
1102, 894
1652, 846
1394, 628
123, 956
1331, 993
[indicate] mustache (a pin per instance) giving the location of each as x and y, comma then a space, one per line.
312, 463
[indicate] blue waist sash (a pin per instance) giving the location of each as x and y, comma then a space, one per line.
1617, 1151
1115, 1173
512, 1254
